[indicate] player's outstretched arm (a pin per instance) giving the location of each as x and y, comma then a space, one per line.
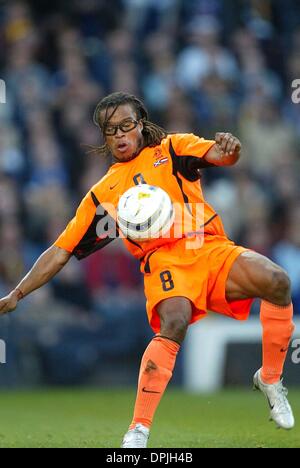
46, 267
225, 152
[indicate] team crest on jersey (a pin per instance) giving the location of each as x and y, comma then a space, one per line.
160, 159
157, 153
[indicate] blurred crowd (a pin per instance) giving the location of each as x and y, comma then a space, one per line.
201, 66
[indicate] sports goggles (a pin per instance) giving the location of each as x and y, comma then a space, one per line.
125, 126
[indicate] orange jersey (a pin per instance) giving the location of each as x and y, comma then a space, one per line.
173, 165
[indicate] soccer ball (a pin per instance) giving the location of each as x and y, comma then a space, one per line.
145, 212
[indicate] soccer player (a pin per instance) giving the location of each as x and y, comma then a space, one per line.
181, 283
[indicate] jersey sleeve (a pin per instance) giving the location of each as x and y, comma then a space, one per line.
187, 152
91, 229
188, 144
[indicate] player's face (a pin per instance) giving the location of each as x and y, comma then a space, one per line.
123, 133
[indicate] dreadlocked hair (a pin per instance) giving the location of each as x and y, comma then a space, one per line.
153, 134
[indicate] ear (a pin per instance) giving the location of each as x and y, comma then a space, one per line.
141, 125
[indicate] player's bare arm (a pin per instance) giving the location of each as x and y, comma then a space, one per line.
46, 267
226, 151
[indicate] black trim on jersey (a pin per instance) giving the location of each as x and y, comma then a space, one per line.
95, 200
134, 243
175, 171
188, 166
210, 220
91, 242
147, 264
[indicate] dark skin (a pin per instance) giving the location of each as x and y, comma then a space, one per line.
252, 275
133, 140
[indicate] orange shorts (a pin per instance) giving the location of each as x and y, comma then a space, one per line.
199, 274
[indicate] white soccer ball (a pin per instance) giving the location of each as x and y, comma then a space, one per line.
145, 212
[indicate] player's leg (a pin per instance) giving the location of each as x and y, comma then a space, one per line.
159, 358
157, 367
254, 275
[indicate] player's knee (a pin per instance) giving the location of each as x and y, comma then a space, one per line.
177, 324
175, 328
281, 282
175, 316
280, 286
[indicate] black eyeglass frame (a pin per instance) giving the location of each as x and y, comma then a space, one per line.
119, 126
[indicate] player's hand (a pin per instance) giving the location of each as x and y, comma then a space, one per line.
228, 143
9, 303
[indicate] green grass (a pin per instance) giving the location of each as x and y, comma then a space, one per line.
92, 418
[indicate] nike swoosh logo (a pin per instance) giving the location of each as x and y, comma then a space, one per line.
113, 186
148, 391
